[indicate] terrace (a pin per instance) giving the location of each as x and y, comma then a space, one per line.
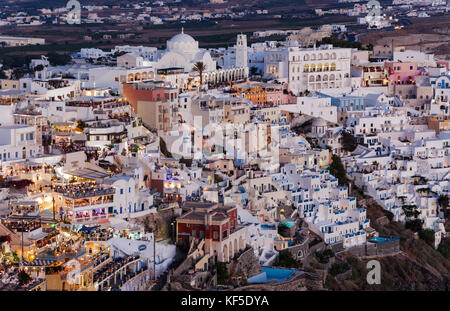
85, 191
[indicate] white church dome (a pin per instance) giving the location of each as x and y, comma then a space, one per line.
182, 43
182, 38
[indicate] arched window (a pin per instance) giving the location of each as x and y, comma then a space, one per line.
306, 68
333, 67
313, 68
306, 57
319, 67
326, 67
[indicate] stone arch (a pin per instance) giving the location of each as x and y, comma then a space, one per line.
313, 67
325, 78
318, 78
137, 76
144, 76
130, 77
319, 67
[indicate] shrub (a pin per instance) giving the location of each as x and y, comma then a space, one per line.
428, 236
338, 268
414, 225
285, 259
324, 256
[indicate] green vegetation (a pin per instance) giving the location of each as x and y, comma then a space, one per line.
222, 273
427, 235
443, 202
324, 256
337, 169
285, 259
24, 277
338, 268
336, 42
414, 225
444, 248
163, 148
349, 142
410, 211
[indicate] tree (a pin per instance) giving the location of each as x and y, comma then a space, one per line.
56, 59
414, 225
199, 67
2, 74
443, 202
253, 70
24, 277
410, 211
348, 142
38, 68
337, 169
17, 74
428, 236
285, 259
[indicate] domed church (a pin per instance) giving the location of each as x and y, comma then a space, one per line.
182, 51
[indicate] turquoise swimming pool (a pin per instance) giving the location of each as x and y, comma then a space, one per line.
381, 239
273, 275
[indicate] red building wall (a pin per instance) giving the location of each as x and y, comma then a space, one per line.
133, 95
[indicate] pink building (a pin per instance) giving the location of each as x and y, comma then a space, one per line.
402, 73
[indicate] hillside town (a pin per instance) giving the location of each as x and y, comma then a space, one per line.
253, 166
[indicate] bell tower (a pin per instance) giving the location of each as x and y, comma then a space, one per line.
241, 51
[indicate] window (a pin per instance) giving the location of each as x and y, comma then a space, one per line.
215, 235
121, 191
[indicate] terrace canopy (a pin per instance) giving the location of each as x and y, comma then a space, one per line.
87, 173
